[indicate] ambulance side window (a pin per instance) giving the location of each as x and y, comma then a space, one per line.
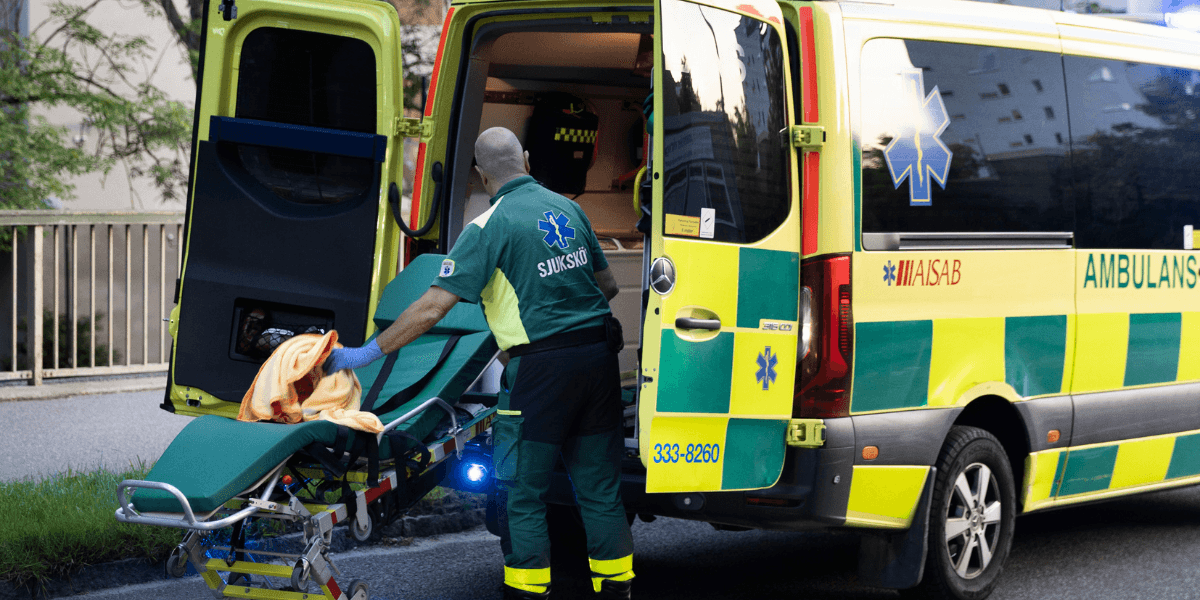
1136, 145
315, 80
959, 138
725, 124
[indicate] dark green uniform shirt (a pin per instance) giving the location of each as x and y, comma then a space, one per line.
531, 258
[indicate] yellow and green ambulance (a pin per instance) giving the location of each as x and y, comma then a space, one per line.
909, 268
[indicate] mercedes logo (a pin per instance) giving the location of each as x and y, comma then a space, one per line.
662, 276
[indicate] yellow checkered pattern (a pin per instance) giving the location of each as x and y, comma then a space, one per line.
575, 136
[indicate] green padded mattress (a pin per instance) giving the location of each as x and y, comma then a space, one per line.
214, 458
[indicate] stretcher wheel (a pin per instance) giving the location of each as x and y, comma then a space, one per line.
358, 590
177, 563
300, 575
364, 533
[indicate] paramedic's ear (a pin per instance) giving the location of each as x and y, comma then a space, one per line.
483, 178
528, 169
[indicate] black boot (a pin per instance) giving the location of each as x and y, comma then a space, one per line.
615, 590
512, 593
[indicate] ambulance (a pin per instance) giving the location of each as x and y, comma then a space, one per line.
907, 268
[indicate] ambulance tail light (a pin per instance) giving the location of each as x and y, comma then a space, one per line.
826, 339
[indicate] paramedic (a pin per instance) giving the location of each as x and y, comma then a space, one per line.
534, 262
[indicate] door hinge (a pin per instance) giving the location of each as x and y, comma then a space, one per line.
228, 9
414, 128
808, 136
806, 433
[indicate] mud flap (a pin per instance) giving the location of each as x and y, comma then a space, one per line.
897, 560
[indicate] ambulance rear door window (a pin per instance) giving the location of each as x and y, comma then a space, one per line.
961, 138
725, 127
308, 79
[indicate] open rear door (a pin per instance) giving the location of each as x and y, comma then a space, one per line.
720, 334
287, 226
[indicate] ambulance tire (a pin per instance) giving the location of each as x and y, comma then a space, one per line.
969, 456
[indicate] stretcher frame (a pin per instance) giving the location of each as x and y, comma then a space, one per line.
233, 578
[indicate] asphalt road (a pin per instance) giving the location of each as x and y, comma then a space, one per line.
44, 437
1142, 547
1145, 547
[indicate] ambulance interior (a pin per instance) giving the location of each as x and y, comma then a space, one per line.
607, 67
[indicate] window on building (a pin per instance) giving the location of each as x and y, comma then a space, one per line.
1049, 110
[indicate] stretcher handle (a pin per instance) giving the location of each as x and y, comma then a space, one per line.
418, 410
127, 514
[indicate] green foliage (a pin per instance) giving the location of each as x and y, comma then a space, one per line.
95, 74
52, 527
83, 349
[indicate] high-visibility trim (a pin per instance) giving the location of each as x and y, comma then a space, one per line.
617, 569
597, 582
811, 202
437, 63
808, 64
529, 580
612, 566
509, 413
415, 211
884, 496
503, 311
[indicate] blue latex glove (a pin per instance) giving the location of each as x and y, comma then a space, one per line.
352, 358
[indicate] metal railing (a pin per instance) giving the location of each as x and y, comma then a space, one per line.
89, 293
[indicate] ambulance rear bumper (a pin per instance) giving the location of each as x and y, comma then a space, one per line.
812, 492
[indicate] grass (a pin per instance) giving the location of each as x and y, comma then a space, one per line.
50, 528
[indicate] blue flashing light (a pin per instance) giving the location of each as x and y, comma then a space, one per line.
476, 472
473, 472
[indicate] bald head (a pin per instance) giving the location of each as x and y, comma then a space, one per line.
499, 158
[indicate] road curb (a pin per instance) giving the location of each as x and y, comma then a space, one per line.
66, 389
93, 578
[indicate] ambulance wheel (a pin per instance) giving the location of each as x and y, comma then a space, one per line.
971, 518
177, 563
358, 590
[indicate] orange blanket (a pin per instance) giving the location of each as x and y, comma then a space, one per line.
291, 387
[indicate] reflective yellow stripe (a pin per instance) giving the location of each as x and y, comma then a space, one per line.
501, 306
529, 580
509, 413
617, 569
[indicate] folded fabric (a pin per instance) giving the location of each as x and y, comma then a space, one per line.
291, 387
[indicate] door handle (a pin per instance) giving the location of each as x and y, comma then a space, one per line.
693, 323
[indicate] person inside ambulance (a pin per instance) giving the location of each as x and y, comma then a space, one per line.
534, 262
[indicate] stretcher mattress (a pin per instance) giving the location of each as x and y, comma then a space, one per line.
214, 458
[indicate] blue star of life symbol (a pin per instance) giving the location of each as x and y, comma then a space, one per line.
556, 229
889, 273
917, 152
766, 368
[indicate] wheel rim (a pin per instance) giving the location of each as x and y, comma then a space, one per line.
973, 520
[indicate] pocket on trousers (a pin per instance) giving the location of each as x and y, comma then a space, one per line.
506, 433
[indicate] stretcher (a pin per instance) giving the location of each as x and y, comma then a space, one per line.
435, 396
